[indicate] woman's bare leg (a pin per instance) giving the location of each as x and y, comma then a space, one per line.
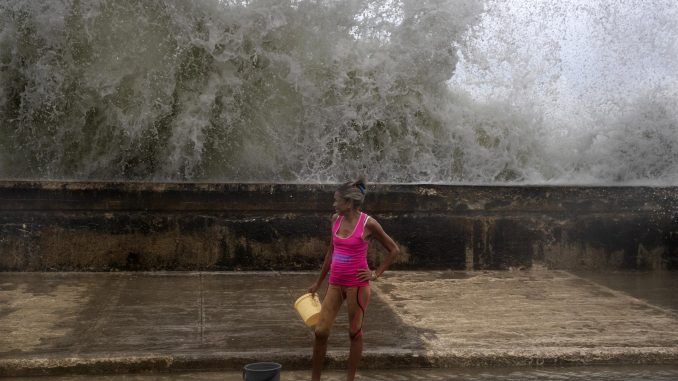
328, 313
357, 299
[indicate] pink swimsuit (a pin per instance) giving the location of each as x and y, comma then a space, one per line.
350, 255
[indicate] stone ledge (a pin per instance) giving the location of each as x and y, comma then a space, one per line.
539, 357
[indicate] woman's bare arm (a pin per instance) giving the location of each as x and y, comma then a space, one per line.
377, 232
326, 264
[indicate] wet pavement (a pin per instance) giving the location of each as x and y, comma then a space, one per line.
88, 323
593, 373
656, 287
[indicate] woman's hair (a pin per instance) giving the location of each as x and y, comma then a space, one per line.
354, 191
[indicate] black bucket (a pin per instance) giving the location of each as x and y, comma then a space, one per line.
262, 371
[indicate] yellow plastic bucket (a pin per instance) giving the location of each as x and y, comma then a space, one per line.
308, 308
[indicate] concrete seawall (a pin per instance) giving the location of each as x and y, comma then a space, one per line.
102, 226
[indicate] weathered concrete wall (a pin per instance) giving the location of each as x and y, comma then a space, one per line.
139, 226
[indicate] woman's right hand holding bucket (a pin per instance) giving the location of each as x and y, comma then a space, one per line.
313, 289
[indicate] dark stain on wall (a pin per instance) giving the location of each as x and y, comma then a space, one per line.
99, 226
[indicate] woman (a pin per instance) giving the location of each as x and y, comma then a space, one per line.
350, 276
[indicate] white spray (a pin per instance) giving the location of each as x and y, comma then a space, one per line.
320, 90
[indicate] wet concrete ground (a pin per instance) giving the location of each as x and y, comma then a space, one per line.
64, 323
657, 287
593, 373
